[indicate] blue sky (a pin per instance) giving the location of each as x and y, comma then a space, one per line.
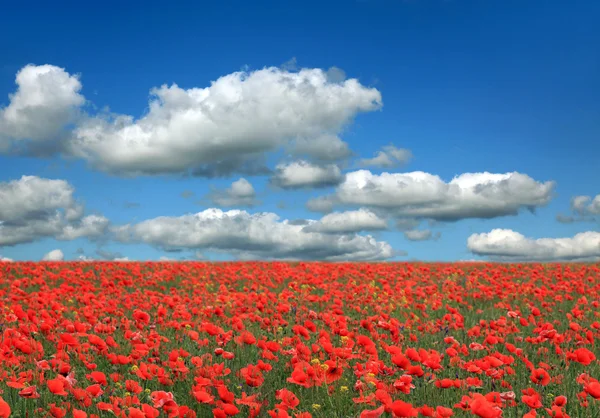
463, 86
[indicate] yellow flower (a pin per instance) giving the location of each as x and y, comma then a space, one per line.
344, 339
315, 361
127, 394
344, 389
325, 367
134, 368
316, 406
147, 391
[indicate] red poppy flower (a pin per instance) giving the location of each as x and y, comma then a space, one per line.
540, 377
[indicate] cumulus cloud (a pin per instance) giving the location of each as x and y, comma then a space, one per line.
5, 259
586, 205
224, 128
260, 235
54, 255
302, 174
421, 235
325, 148
426, 196
228, 126
388, 157
335, 75
240, 193
34, 197
32, 208
584, 208
89, 226
508, 244
347, 222
322, 204
47, 99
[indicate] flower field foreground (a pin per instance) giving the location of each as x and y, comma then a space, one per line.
299, 340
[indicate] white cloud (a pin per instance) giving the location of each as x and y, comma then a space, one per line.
335, 75
5, 259
32, 196
32, 208
46, 100
594, 206
302, 174
426, 196
328, 147
347, 222
260, 235
420, 235
508, 244
54, 255
240, 193
321, 204
585, 208
389, 156
89, 226
225, 127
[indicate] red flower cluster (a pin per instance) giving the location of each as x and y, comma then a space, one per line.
299, 340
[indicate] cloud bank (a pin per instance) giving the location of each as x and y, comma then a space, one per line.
240, 193
508, 244
224, 128
583, 208
426, 196
32, 208
259, 235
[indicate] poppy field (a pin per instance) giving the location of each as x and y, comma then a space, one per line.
257, 339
